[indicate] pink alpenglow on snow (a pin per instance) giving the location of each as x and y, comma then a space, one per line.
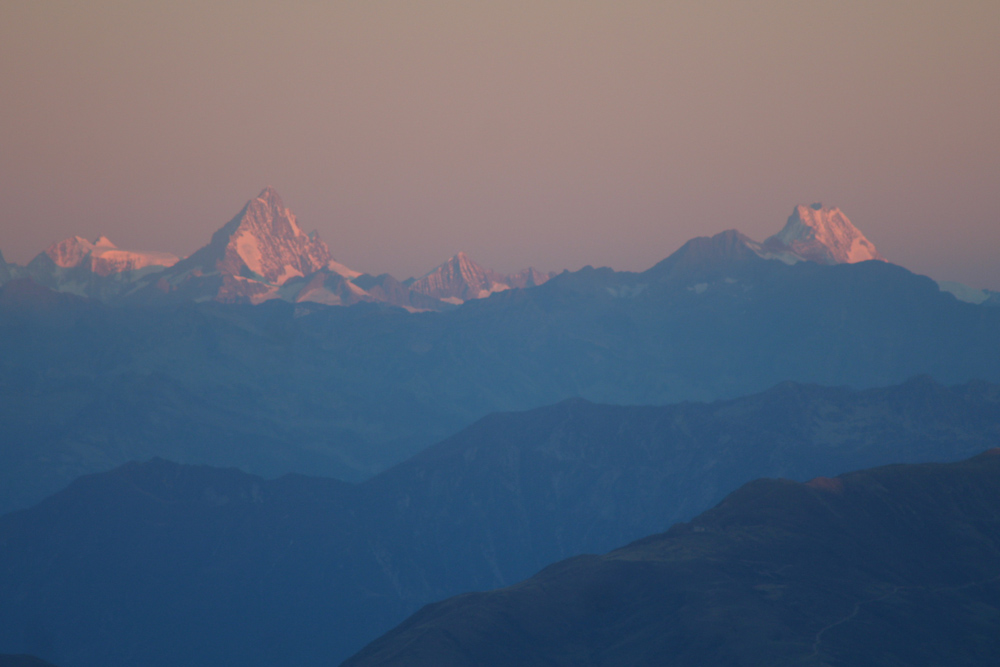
265, 242
824, 235
103, 257
255, 253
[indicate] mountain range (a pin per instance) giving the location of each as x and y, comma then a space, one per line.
260, 254
894, 566
572, 413
305, 387
163, 564
263, 254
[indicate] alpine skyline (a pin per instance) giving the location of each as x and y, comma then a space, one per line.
554, 136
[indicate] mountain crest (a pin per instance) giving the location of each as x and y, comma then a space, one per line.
102, 256
824, 235
262, 243
69, 252
261, 249
270, 197
459, 279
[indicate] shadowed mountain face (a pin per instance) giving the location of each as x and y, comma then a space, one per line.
892, 566
349, 391
163, 564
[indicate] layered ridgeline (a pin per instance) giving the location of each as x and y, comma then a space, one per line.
162, 564
892, 566
283, 387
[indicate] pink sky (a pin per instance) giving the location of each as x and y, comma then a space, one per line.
553, 134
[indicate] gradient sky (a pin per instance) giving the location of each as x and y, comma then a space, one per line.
552, 134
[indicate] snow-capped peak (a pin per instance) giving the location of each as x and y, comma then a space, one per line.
69, 252
824, 235
460, 279
259, 250
103, 257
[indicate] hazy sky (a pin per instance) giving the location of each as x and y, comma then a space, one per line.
553, 134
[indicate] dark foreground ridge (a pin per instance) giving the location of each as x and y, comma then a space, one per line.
7, 660
163, 564
893, 566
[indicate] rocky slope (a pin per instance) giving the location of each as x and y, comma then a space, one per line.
892, 566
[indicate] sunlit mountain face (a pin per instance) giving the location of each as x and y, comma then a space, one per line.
262, 254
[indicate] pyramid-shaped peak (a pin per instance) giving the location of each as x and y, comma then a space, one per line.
823, 234
271, 197
457, 280
460, 279
460, 265
103, 242
262, 244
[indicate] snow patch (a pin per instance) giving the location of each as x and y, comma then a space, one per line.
337, 267
287, 273
248, 248
963, 292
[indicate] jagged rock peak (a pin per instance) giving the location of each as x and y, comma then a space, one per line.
253, 256
265, 242
459, 279
462, 265
271, 197
823, 235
